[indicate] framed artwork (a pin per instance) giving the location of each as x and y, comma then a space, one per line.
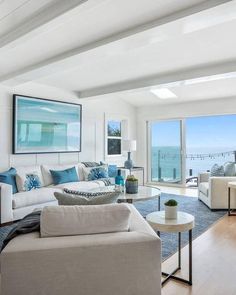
45, 126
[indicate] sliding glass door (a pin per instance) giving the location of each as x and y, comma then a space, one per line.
166, 151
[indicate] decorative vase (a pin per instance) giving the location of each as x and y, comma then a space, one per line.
171, 212
131, 187
128, 163
119, 181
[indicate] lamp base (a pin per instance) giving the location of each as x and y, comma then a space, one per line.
128, 163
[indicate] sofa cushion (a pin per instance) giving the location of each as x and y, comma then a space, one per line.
33, 197
48, 180
88, 198
217, 170
94, 173
29, 177
9, 177
204, 187
229, 168
64, 176
84, 220
81, 185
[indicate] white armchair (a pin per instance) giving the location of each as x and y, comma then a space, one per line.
213, 191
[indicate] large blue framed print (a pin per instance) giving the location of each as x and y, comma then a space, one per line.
45, 126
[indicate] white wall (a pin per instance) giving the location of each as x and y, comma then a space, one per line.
176, 111
93, 126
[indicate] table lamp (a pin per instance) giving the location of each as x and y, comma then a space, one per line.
129, 146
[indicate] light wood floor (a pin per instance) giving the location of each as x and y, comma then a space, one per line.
214, 262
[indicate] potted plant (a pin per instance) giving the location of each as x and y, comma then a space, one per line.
171, 209
131, 185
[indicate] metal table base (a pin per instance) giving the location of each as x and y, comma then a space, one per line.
231, 212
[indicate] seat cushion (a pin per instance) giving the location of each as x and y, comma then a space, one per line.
204, 187
33, 197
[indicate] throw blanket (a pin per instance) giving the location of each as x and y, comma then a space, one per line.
28, 224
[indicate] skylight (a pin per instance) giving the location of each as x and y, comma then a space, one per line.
163, 93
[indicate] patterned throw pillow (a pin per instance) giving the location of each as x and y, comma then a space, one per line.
86, 198
90, 194
32, 181
91, 164
217, 170
94, 173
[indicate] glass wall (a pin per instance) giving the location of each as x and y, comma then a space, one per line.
211, 140
206, 140
166, 162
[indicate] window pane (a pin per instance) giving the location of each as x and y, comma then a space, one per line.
211, 140
166, 151
114, 128
114, 146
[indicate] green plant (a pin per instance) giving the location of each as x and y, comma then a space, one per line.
131, 178
171, 203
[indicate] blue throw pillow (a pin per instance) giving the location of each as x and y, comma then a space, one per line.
97, 173
64, 176
9, 177
112, 170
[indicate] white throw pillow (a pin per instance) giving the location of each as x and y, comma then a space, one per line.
84, 220
94, 173
28, 178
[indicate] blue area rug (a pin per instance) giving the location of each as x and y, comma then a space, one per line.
204, 218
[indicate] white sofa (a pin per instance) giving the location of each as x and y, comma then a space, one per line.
213, 191
101, 264
16, 206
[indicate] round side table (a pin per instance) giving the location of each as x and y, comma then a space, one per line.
184, 222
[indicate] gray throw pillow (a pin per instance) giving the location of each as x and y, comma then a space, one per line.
229, 169
90, 199
217, 170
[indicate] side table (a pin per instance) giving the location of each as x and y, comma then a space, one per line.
231, 185
134, 169
184, 222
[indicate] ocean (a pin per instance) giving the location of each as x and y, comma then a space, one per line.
169, 160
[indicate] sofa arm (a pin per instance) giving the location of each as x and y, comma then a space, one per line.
6, 203
117, 263
218, 191
204, 177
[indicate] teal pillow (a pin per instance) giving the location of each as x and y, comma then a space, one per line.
9, 177
64, 176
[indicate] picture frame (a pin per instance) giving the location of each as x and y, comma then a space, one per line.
43, 126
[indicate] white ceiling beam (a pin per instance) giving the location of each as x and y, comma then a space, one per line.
66, 60
165, 78
39, 22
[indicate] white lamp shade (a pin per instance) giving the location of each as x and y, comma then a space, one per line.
129, 145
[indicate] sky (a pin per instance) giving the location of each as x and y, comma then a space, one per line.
211, 133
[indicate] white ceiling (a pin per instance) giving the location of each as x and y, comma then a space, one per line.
123, 47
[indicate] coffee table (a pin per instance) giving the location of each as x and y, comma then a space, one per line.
144, 193
184, 222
